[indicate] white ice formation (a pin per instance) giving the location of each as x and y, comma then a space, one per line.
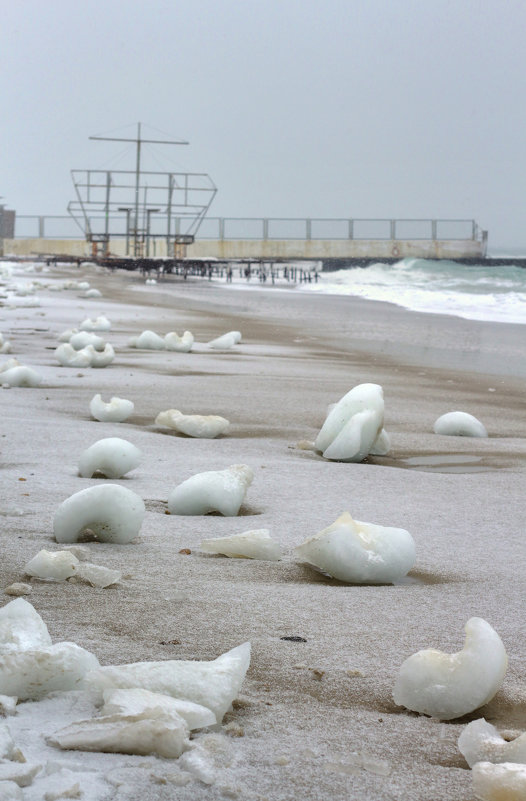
30, 666
67, 356
447, 686
479, 741
505, 782
354, 426
20, 376
82, 339
206, 426
92, 293
99, 324
61, 565
213, 685
65, 336
111, 512
459, 424
360, 553
148, 340
214, 491
226, 341
182, 344
255, 544
5, 345
8, 364
111, 457
116, 411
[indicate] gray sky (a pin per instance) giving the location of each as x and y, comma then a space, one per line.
340, 108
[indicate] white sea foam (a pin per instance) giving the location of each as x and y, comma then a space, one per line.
476, 292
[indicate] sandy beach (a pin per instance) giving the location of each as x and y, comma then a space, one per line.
307, 709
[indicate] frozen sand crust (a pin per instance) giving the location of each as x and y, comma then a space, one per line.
447, 686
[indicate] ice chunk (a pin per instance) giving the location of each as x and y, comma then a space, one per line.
382, 444
481, 742
214, 491
8, 705
447, 686
182, 344
112, 457
148, 340
92, 293
21, 774
137, 701
10, 791
97, 575
193, 425
459, 424
504, 782
32, 674
67, 356
360, 553
226, 341
212, 684
21, 628
99, 324
353, 425
116, 411
6, 742
256, 544
65, 336
82, 339
52, 565
21, 376
7, 365
5, 346
113, 513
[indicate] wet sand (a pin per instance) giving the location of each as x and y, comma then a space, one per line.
306, 708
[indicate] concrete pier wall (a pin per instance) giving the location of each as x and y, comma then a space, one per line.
288, 249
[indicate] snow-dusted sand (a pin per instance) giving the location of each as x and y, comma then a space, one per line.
316, 719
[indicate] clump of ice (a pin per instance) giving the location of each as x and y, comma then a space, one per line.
255, 544
214, 491
111, 512
112, 457
148, 340
30, 666
65, 336
101, 323
62, 565
182, 344
447, 686
20, 376
92, 293
481, 742
360, 553
132, 722
353, 426
116, 411
505, 782
134, 702
226, 341
67, 356
5, 345
213, 685
9, 364
459, 424
206, 426
82, 339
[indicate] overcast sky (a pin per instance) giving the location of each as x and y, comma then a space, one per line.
340, 108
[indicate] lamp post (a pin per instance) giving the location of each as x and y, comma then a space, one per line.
149, 213
127, 209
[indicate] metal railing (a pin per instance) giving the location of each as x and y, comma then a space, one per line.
265, 228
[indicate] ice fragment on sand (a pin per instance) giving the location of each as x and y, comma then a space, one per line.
481, 742
255, 544
52, 565
99, 324
132, 722
113, 457
353, 426
360, 553
226, 341
136, 701
67, 356
7, 365
504, 782
212, 684
193, 425
101, 358
182, 344
82, 339
459, 424
5, 345
214, 491
21, 628
92, 293
447, 686
21, 376
148, 340
113, 513
116, 411
97, 575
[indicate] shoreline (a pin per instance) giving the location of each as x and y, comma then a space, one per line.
306, 708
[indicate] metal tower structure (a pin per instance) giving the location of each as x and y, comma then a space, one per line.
141, 206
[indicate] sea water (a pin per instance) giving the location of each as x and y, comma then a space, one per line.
477, 292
